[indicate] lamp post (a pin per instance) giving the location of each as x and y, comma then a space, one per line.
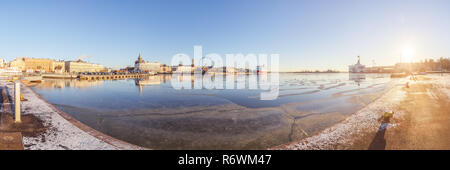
17, 101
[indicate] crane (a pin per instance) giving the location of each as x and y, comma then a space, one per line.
80, 58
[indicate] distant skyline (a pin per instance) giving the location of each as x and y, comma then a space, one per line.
308, 35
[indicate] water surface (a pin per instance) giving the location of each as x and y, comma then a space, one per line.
151, 113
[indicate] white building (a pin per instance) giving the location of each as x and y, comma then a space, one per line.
2, 63
144, 66
81, 66
357, 68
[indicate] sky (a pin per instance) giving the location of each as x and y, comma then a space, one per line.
308, 35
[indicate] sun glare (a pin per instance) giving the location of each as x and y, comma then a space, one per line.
408, 54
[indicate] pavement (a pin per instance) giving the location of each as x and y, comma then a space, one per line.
424, 125
420, 121
11, 141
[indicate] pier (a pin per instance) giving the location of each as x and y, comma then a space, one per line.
59, 76
112, 77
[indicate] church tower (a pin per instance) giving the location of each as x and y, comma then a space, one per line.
139, 60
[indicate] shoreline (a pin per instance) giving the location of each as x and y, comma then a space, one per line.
62, 131
87, 128
419, 120
362, 130
344, 134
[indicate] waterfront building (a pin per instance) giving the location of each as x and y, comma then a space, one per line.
357, 68
59, 66
145, 66
182, 69
124, 70
26, 64
32, 64
380, 69
165, 69
261, 69
17, 64
82, 66
38, 64
2, 63
9, 71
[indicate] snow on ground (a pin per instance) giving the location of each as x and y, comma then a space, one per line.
61, 134
341, 135
442, 82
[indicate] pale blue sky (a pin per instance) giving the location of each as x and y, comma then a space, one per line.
315, 34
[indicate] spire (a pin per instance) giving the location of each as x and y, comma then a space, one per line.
139, 58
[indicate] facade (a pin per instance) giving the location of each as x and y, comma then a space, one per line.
125, 70
32, 64
357, 68
2, 63
144, 66
38, 64
81, 66
59, 66
380, 69
261, 69
47, 65
165, 69
184, 69
8, 71
18, 64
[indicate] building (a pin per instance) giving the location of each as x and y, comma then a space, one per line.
38, 64
2, 63
82, 66
124, 70
357, 68
184, 69
380, 69
32, 64
17, 64
59, 66
165, 69
8, 71
145, 66
261, 69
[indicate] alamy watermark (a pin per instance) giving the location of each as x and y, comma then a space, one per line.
233, 71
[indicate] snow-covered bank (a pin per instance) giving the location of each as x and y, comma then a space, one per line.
343, 135
442, 81
62, 132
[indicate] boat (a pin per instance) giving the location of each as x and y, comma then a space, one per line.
357, 68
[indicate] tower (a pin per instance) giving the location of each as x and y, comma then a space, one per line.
139, 58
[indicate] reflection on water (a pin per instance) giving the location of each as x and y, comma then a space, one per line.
154, 80
357, 77
149, 112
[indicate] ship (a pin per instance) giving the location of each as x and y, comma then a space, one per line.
357, 68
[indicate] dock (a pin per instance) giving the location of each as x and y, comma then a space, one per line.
60, 76
112, 77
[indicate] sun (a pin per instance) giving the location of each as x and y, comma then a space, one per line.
408, 54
